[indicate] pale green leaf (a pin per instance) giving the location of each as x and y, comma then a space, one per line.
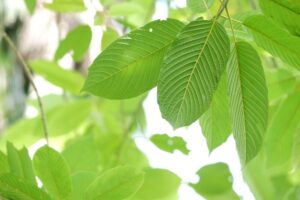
68, 80
108, 37
215, 182
282, 133
81, 33
30, 4
159, 184
191, 72
66, 6
116, 184
285, 12
248, 97
20, 163
82, 148
53, 171
170, 144
125, 9
80, 182
274, 39
13, 187
199, 5
130, 66
215, 122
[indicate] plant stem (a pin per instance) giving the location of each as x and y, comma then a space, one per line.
222, 8
29, 76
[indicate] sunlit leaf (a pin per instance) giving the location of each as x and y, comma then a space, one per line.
274, 39
108, 37
191, 71
66, 6
199, 5
53, 171
68, 80
70, 43
30, 4
20, 163
285, 12
116, 184
4, 167
13, 187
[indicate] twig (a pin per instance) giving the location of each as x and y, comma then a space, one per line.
222, 8
29, 76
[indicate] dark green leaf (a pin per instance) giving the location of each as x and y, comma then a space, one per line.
130, 66
191, 72
248, 96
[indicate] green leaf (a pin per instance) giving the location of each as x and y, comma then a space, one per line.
215, 122
170, 144
130, 66
285, 13
20, 163
159, 184
281, 82
4, 167
215, 182
13, 187
82, 148
279, 146
275, 40
126, 9
248, 97
116, 184
108, 37
191, 71
81, 33
199, 5
66, 6
53, 171
30, 4
80, 181
68, 80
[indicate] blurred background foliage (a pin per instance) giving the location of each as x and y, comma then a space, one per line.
59, 40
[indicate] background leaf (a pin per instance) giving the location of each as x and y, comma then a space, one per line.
30, 4
116, 184
274, 39
81, 33
170, 144
191, 71
248, 97
53, 171
215, 182
215, 122
130, 66
199, 5
68, 80
66, 6
4, 167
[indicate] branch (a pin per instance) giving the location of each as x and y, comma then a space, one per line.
29, 76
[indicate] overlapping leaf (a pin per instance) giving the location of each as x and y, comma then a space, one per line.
274, 39
191, 71
285, 13
130, 66
248, 97
215, 122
